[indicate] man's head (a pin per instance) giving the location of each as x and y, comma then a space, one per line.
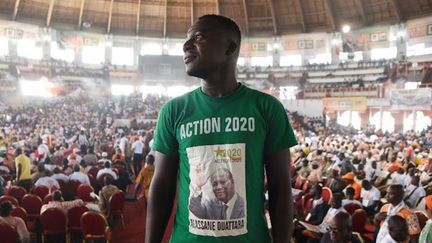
212, 45
395, 194
398, 228
5, 209
349, 193
415, 180
108, 180
366, 185
222, 182
76, 168
41, 167
315, 191
18, 151
336, 201
150, 159
57, 196
107, 165
339, 227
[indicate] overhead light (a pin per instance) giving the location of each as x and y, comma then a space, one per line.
346, 28
86, 24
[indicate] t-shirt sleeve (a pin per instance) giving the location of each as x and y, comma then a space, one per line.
165, 141
280, 134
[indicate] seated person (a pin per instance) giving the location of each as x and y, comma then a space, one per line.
105, 194
47, 182
58, 175
17, 223
370, 197
349, 197
77, 175
426, 234
59, 203
339, 230
398, 230
106, 170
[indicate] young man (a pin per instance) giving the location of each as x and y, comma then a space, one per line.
398, 230
339, 230
396, 206
222, 125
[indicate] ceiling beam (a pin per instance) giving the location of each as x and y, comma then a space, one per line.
15, 12
165, 19
361, 8
397, 9
302, 18
138, 17
246, 17
192, 11
110, 16
50, 11
217, 7
81, 14
272, 12
331, 14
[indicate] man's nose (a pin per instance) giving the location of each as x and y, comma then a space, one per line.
187, 45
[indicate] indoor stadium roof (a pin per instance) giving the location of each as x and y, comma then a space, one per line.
171, 18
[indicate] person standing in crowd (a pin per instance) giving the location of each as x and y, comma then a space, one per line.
144, 178
23, 165
137, 148
233, 118
396, 206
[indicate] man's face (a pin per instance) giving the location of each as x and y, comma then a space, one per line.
394, 196
205, 49
338, 230
223, 187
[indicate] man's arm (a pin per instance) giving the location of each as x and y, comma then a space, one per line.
161, 196
280, 201
18, 174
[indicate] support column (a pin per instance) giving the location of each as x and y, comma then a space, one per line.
381, 118
365, 119
399, 117
414, 113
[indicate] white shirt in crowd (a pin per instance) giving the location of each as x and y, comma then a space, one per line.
401, 179
60, 177
106, 171
122, 145
349, 201
388, 239
368, 197
81, 177
414, 196
48, 182
138, 147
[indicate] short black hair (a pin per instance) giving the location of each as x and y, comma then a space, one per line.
350, 191
5, 208
226, 22
57, 196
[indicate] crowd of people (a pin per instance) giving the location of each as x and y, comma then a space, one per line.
387, 175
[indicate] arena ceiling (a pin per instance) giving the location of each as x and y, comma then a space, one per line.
171, 18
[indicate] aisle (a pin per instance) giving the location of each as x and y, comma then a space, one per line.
134, 231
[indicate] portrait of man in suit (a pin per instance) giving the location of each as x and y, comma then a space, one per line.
226, 204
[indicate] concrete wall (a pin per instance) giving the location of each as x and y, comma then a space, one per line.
309, 108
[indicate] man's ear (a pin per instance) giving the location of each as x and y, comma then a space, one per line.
231, 48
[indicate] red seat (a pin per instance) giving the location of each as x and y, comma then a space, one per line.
422, 218
48, 198
7, 198
63, 186
352, 207
326, 194
94, 226
54, 222
359, 218
32, 204
8, 234
17, 192
83, 192
72, 188
22, 213
74, 219
298, 183
40, 191
116, 204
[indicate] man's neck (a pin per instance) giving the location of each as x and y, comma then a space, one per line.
219, 89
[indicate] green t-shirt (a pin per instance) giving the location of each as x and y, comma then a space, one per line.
426, 234
221, 143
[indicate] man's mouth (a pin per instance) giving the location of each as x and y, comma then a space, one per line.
189, 58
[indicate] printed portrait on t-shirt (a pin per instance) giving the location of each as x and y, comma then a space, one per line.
217, 200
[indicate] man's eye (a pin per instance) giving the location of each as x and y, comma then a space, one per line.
198, 37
